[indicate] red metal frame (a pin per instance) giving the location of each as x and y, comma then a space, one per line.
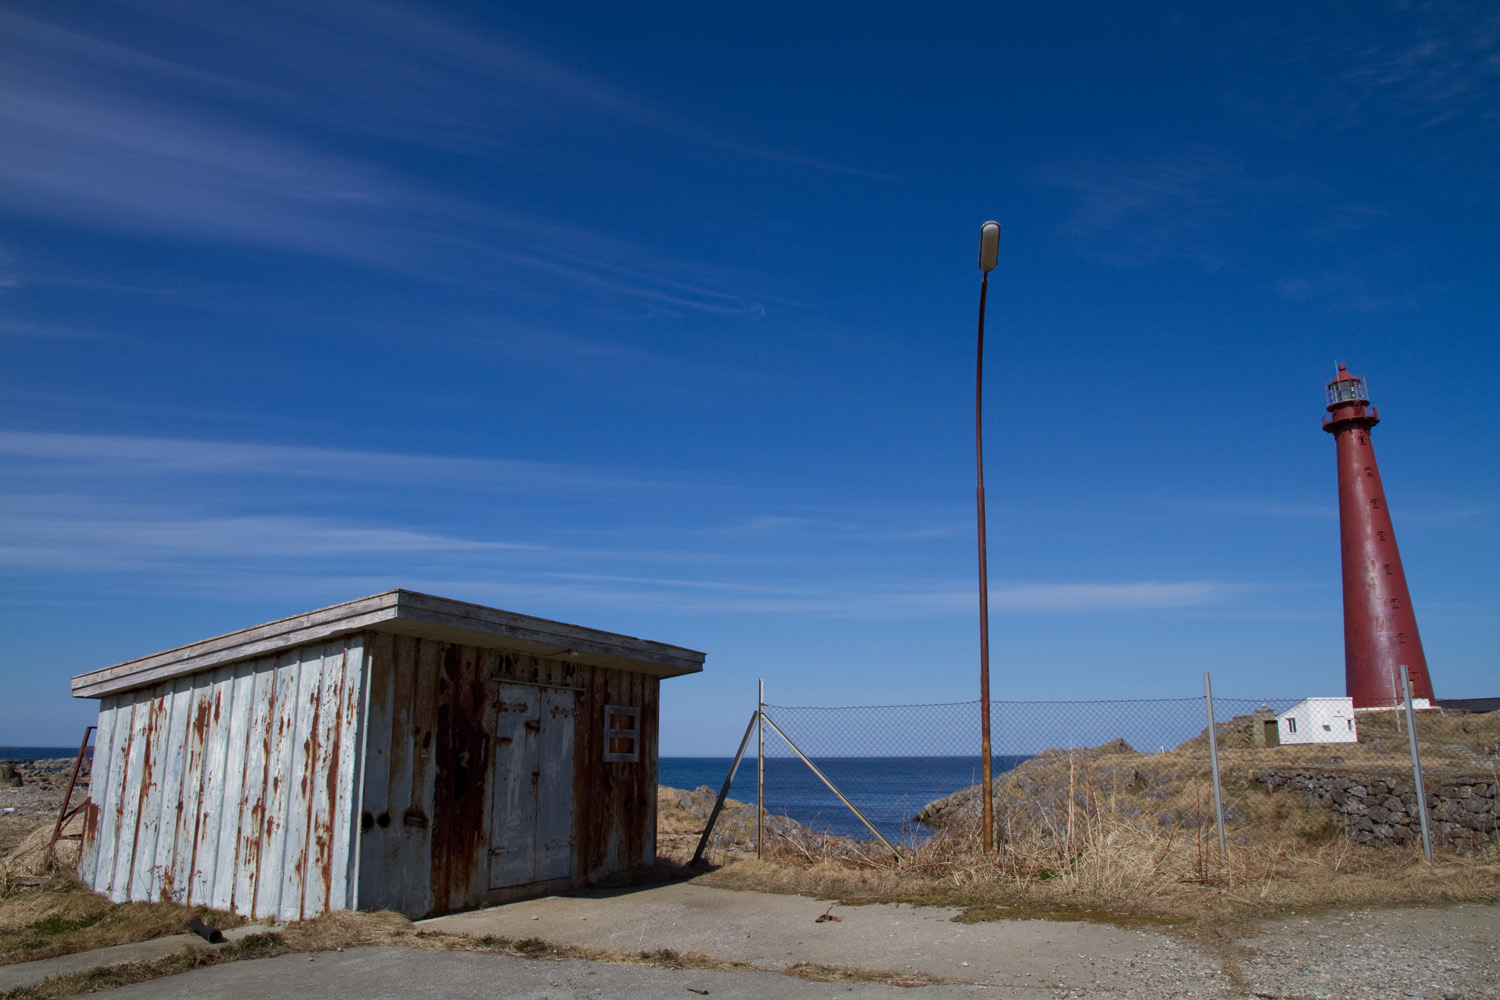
64, 813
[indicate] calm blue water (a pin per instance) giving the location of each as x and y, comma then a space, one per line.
29, 754
888, 790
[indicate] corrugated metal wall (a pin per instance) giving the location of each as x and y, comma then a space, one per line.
358, 773
617, 801
428, 802
234, 788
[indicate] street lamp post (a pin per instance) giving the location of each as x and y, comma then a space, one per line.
989, 255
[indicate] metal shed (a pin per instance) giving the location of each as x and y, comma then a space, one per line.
399, 751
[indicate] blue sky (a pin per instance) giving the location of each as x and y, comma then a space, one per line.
660, 319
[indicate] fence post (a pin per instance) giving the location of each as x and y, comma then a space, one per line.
1416, 764
760, 771
1213, 762
713, 817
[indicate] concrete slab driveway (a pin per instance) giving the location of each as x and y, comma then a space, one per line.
772, 931
407, 974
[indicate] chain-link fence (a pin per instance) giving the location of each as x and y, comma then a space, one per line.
911, 771
900, 765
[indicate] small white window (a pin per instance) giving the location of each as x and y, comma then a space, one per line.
1327, 728
622, 734
1291, 725
1350, 724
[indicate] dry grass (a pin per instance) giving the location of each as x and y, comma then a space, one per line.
334, 931
14, 829
47, 912
1083, 838
1111, 834
816, 972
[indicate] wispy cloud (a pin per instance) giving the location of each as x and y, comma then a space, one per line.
864, 599
1422, 65
167, 142
1137, 211
1054, 598
99, 135
88, 150
1445, 63
1346, 292
169, 516
836, 599
99, 458
147, 544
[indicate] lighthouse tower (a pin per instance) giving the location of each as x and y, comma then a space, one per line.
1380, 627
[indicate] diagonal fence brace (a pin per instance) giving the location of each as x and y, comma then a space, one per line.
831, 786
713, 817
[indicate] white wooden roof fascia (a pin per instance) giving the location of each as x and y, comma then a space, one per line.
402, 612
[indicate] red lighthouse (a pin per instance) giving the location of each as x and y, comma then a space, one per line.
1380, 627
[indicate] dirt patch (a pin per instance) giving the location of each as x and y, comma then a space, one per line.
817, 973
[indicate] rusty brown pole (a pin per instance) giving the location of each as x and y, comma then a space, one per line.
989, 255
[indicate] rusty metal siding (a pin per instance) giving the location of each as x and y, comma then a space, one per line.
226, 787
128, 810
98, 825
161, 751
461, 769
395, 854
429, 818
88, 848
236, 756
379, 770
617, 827
252, 801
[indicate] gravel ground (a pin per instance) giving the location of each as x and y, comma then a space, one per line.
1445, 953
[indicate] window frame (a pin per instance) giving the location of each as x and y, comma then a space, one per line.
612, 733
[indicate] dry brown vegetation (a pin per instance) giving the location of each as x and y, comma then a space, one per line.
45, 911
1110, 833
1104, 833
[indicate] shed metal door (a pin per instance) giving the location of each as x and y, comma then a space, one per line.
532, 822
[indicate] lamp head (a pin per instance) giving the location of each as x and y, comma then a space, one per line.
989, 246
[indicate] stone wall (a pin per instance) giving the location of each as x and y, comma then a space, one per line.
1382, 809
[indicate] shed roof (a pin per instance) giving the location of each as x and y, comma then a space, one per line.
1342, 701
403, 612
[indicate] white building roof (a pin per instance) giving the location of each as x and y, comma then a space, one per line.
403, 612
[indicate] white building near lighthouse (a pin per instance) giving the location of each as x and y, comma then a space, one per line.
1318, 720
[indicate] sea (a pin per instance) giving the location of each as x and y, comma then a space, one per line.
29, 754
889, 791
